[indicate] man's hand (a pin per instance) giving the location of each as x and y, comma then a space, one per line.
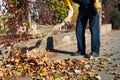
97, 5
67, 20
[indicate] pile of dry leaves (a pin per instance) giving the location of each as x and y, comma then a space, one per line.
42, 68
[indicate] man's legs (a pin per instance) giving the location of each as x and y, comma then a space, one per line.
95, 33
80, 33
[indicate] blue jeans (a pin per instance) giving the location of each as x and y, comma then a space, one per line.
83, 17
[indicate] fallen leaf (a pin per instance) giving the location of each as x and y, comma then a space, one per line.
77, 71
18, 74
1, 74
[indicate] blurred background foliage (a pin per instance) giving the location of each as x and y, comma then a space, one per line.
14, 13
17, 13
59, 10
111, 10
115, 18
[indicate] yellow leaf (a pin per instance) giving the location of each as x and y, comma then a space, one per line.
18, 73
43, 71
1, 74
57, 75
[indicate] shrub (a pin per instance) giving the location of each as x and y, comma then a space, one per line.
115, 18
58, 9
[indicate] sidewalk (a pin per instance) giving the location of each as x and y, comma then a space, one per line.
110, 50
110, 43
108, 63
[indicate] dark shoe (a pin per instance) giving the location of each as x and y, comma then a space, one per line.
87, 56
78, 53
94, 54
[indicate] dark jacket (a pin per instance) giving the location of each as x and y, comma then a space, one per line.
86, 5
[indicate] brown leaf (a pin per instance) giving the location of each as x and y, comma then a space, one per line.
84, 60
105, 53
31, 72
19, 52
12, 58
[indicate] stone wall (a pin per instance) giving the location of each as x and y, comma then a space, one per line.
64, 39
54, 41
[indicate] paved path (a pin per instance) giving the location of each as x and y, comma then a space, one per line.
110, 45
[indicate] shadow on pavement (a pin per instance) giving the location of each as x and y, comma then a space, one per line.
50, 47
24, 49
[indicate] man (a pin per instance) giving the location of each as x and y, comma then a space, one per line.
87, 10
